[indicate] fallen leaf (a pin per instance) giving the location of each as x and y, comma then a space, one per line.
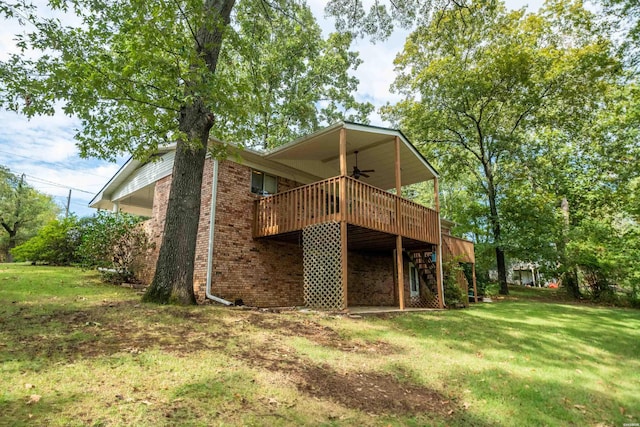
579, 406
34, 398
146, 402
621, 410
28, 386
578, 371
466, 405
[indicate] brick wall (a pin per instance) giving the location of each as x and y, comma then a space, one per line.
260, 272
370, 279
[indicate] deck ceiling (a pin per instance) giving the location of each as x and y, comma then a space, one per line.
319, 154
361, 239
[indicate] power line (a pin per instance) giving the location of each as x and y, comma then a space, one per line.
57, 185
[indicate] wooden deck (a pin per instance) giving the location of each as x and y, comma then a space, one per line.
364, 206
458, 249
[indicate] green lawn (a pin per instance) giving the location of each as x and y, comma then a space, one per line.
74, 351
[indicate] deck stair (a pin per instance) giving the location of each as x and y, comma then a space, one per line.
422, 260
426, 267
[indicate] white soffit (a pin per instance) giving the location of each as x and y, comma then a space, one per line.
318, 154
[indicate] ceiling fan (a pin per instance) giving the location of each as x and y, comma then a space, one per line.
357, 173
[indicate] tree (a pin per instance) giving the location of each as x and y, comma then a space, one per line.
22, 210
137, 74
288, 78
479, 79
595, 176
625, 15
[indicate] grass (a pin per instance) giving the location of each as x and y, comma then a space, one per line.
74, 351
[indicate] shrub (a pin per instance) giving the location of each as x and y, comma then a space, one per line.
453, 294
114, 243
55, 243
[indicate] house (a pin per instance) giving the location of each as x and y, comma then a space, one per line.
315, 222
525, 273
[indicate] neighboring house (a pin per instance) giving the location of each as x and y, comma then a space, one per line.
525, 273
295, 226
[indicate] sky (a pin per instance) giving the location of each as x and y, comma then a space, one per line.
44, 150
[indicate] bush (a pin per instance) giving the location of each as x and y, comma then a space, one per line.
114, 243
452, 292
55, 243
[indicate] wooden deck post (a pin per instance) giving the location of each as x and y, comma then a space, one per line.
343, 215
399, 261
473, 275
439, 273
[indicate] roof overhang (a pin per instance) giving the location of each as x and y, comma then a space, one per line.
309, 159
319, 155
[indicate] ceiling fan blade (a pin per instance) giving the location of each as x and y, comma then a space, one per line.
367, 170
364, 174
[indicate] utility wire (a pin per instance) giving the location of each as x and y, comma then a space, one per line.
35, 178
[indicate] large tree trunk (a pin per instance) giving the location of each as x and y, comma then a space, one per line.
173, 280
495, 227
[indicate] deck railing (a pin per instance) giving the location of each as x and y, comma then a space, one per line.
364, 205
460, 249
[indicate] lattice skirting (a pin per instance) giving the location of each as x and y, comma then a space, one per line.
427, 298
322, 267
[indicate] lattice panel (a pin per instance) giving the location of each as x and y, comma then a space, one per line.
322, 268
428, 298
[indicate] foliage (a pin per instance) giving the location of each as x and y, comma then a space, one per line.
478, 82
23, 210
453, 294
605, 255
379, 21
625, 16
127, 72
55, 243
288, 79
116, 242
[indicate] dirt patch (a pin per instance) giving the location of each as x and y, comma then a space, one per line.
319, 334
372, 392
369, 392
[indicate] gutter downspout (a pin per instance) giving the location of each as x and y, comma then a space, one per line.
212, 223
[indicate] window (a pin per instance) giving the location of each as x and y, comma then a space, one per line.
263, 183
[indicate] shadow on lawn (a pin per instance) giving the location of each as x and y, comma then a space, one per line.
563, 334
584, 347
22, 412
529, 400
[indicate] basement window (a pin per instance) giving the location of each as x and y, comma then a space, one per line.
263, 183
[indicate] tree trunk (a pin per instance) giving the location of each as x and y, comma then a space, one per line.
495, 227
12, 244
173, 280
12, 240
